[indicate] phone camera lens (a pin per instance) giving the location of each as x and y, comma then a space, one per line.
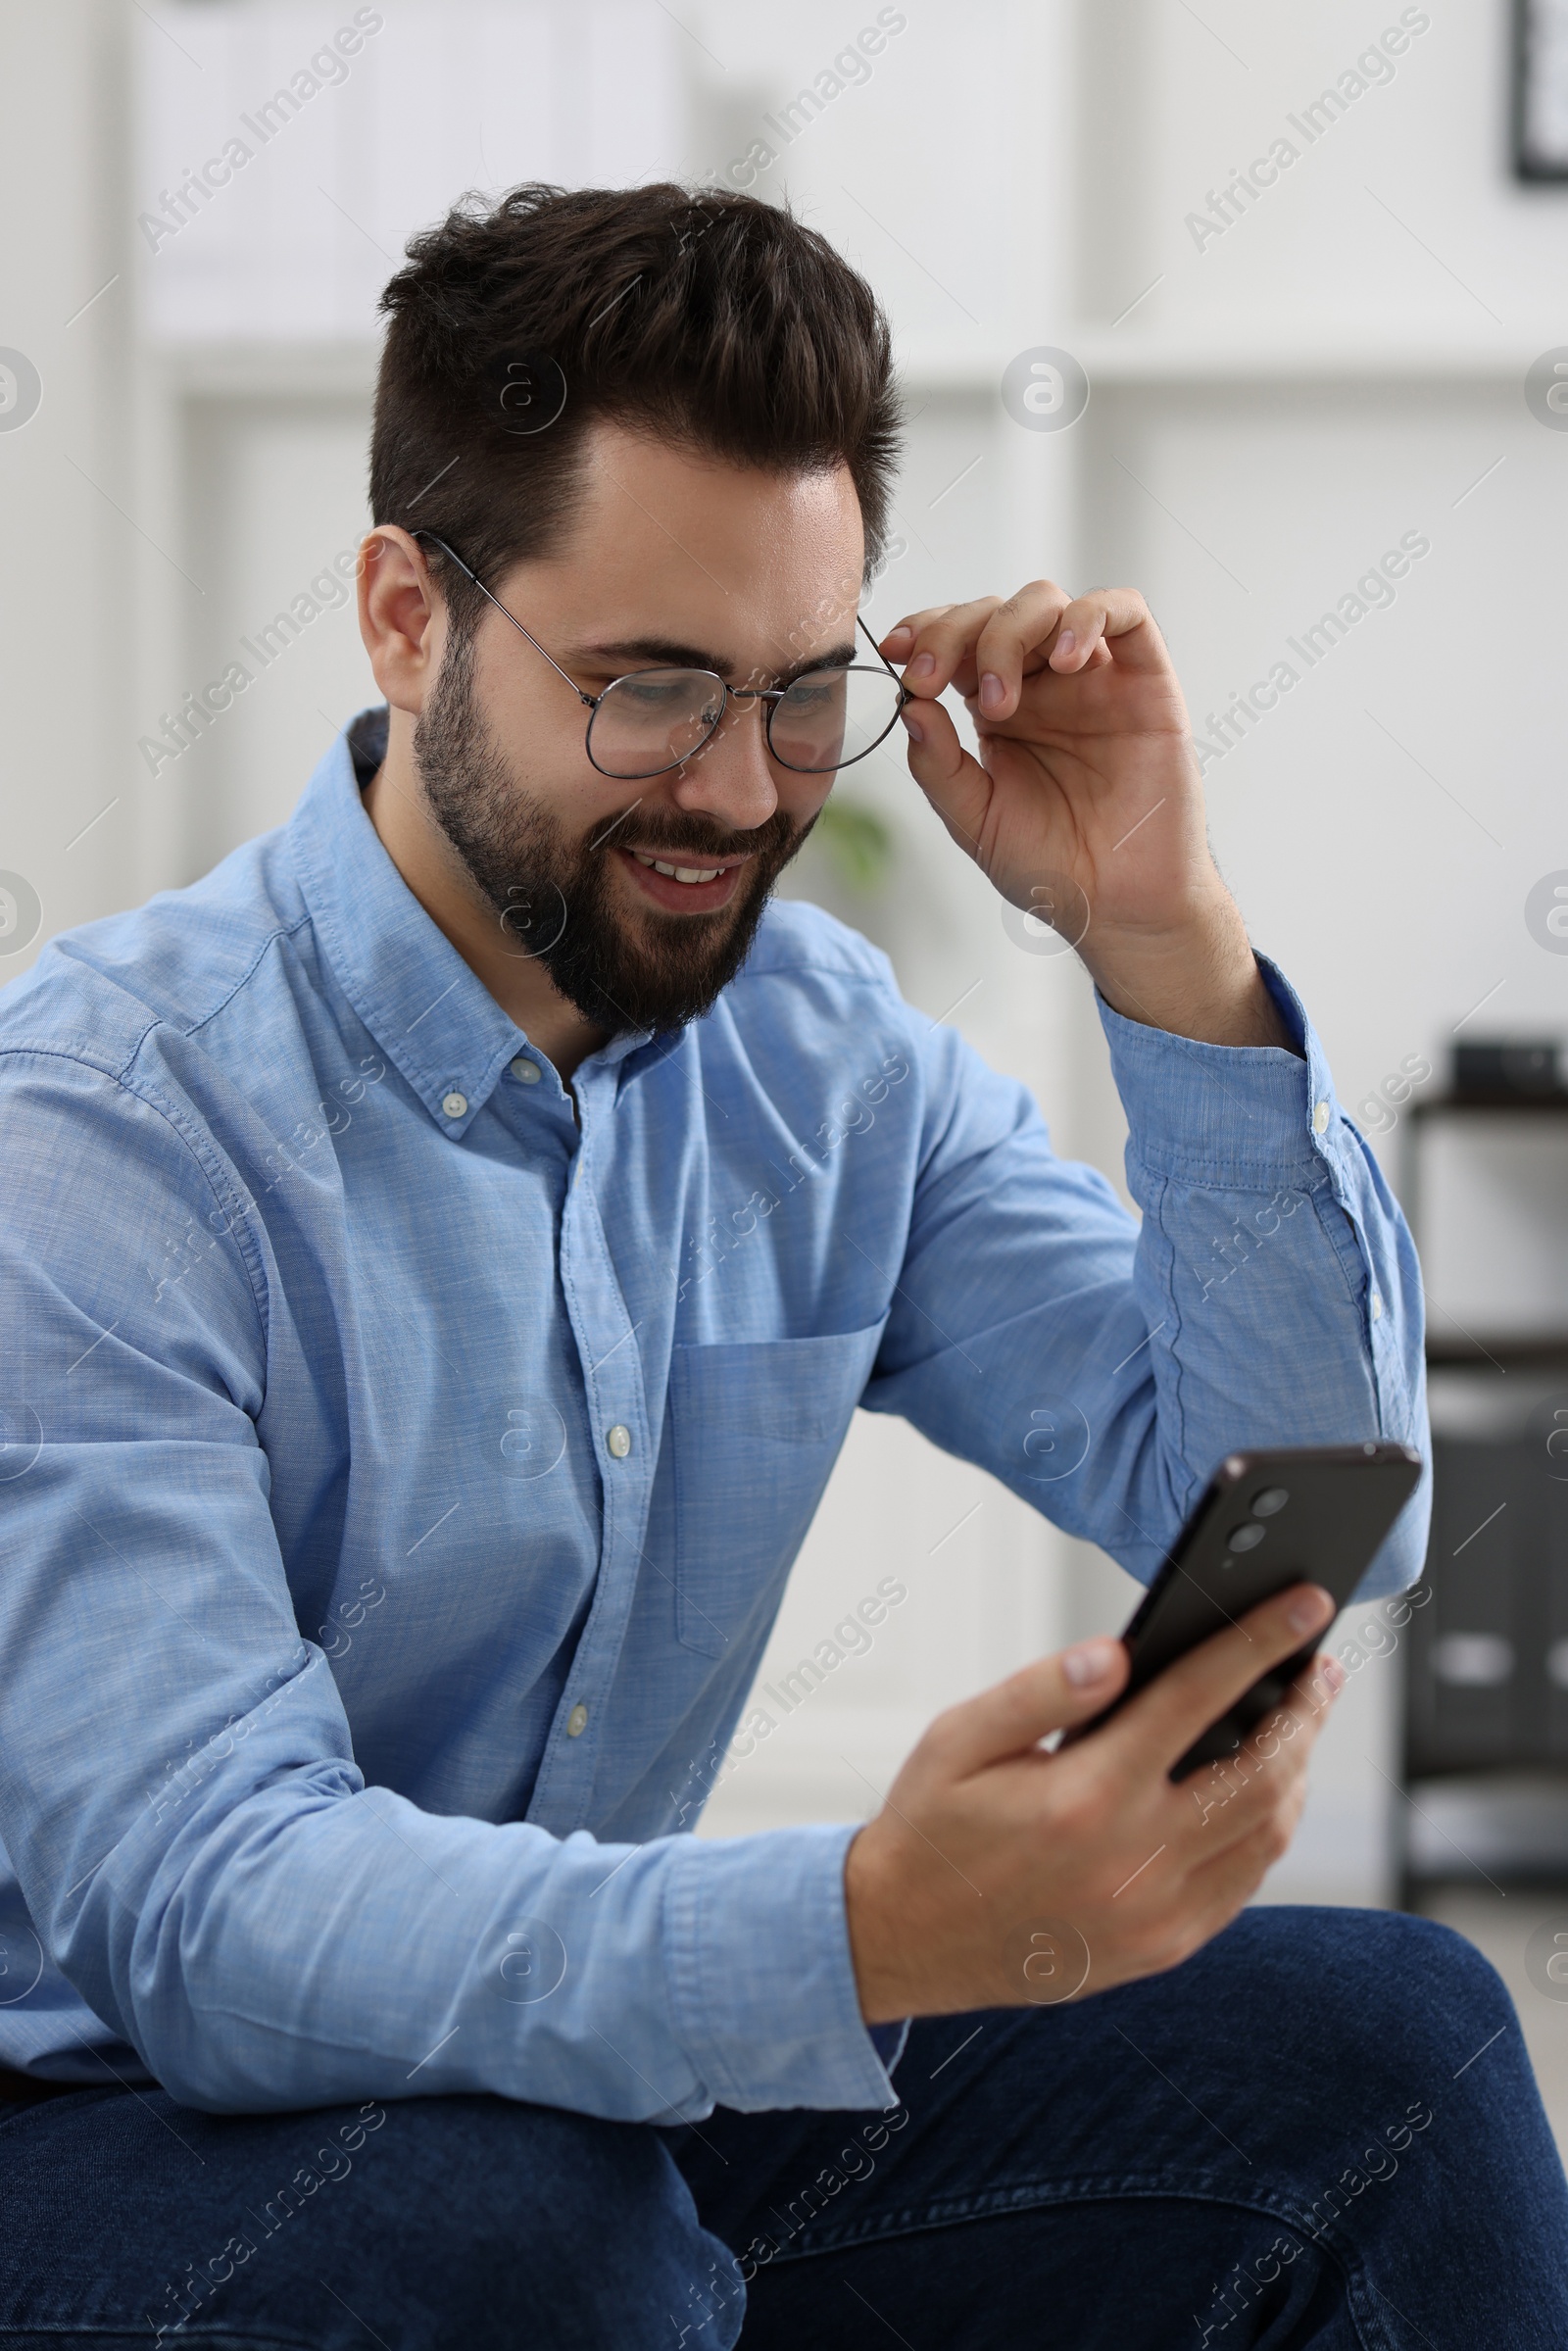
1246, 1539
1271, 1499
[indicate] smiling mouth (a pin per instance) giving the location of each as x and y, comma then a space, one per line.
678, 887
689, 874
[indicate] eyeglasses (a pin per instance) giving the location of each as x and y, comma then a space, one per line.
649, 721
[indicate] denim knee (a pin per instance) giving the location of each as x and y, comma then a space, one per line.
1374, 1971
1378, 2003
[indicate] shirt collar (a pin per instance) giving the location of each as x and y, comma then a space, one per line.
431, 1015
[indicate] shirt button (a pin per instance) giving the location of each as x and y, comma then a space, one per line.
526, 1071
454, 1105
618, 1440
1320, 1119
577, 1720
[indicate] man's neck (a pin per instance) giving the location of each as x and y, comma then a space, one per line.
429, 864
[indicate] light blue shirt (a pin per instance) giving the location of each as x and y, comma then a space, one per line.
399, 1480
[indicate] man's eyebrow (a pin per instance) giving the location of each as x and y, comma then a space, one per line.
668, 652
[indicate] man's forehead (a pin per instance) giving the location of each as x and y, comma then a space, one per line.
735, 528
676, 556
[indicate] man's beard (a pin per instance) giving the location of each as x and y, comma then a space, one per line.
554, 896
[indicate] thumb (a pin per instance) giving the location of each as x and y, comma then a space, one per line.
951, 779
1052, 1694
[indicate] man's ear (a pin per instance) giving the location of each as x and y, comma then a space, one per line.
403, 619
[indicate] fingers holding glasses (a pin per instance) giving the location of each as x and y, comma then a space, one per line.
990, 646
936, 647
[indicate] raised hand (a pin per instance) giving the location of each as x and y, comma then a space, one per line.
1085, 805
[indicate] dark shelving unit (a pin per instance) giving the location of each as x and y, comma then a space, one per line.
1486, 1675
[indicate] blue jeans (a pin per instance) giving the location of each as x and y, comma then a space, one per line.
1321, 2130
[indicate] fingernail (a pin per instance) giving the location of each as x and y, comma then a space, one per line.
1309, 1609
899, 636
1065, 642
992, 692
1091, 1661
913, 724
923, 666
1333, 1673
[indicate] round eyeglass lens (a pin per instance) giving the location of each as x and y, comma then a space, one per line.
653, 719
831, 716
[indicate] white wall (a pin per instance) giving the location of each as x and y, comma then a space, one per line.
71, 550
1344, 363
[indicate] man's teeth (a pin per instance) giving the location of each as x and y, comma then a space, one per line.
680, 873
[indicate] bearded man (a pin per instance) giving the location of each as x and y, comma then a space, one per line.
443, 1252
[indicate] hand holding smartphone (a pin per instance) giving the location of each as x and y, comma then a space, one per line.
1092, 1844
1266, 1519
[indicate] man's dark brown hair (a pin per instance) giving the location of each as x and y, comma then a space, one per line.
712, 320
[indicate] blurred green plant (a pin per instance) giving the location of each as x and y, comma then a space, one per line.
856, 842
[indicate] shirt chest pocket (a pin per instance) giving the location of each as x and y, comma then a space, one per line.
756, 1431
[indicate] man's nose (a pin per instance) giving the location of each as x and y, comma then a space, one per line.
730, 776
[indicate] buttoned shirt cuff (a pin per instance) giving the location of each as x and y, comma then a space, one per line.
762, 1987
1228, 1113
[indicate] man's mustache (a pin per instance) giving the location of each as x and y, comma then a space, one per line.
672, 835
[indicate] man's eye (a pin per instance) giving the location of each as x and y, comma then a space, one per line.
653, 694
809, 693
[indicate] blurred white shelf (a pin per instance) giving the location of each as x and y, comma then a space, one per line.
1333, 355
347, 367
1243, 356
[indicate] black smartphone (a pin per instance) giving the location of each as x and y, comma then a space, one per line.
1312, 1515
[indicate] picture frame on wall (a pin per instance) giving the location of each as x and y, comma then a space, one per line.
1540, 89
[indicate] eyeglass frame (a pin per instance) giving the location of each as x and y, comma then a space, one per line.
769, 694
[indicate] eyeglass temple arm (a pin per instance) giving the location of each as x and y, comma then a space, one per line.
887, 665
591, 701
